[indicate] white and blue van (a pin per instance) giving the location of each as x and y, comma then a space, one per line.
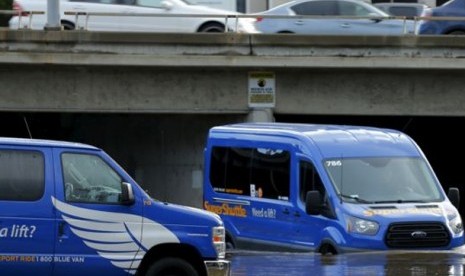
69, 209
326, 188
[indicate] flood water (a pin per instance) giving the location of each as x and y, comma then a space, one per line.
417, 263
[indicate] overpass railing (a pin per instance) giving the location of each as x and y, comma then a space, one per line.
81, 19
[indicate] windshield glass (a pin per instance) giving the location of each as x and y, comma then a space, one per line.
383, 180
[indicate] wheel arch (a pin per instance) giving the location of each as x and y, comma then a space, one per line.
182, 251
328, 246
210, 22
460, 31
67, 24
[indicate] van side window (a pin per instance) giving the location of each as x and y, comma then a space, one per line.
22, 175
257, 172
87, 178
310, 180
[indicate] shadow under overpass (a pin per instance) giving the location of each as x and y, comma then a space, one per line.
440, 138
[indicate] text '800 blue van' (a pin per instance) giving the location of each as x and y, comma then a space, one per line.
326, 188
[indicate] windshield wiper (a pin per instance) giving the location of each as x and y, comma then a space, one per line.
400, 201
356, 198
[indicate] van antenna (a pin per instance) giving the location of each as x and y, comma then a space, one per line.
407, 124
342, 178
27, 127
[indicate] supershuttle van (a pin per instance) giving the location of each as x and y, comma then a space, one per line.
69, 209
326, 188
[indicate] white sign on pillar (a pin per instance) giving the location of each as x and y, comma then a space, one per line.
262, 90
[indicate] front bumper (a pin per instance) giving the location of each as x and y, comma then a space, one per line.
218, 268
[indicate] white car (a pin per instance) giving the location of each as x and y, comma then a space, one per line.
131, 16
331, 17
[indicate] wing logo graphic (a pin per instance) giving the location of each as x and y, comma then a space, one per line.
123, 239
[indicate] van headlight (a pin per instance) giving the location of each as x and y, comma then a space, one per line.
455, 222
219, 241
362, 226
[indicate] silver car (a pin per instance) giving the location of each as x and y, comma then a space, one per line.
331, 17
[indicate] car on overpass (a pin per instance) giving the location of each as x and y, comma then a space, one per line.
331, 17
131, 16
454, 25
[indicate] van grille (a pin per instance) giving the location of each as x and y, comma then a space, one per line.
417, 235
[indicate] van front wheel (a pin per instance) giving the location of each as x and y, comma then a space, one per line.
172, 266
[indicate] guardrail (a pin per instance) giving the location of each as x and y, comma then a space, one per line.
82, 24
30, 15
226, 17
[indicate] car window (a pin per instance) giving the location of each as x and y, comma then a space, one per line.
316, 8
255, 172
404, 11
353, 9
120, 2
22, 175
87, 178
150, 3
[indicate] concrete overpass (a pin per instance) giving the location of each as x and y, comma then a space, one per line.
149, 99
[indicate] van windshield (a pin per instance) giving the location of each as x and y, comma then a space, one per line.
383, 180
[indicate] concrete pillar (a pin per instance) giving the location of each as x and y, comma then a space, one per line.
53, 15
264, 115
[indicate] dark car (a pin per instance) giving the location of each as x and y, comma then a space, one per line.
436, 26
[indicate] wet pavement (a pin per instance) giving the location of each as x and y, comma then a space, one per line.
415, 263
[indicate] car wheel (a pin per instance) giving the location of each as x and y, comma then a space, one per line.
171, 266
212, 27
67, 26
457, 33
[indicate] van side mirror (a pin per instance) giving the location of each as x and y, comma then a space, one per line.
127, 195
313, 204
454, 197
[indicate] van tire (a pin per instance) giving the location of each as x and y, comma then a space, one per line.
171, 266
229, 244
327, 249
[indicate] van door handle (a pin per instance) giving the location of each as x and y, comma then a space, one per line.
286, 211
61, 229
297, 214
345, 25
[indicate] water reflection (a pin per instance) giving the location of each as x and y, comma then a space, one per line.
414, 263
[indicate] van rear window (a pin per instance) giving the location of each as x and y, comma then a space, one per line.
22, 175
255, 172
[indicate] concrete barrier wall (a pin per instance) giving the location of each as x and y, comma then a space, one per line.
224, 91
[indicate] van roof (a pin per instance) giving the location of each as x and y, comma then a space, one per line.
43, 143
335, 140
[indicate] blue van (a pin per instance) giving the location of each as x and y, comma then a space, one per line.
326, 188
69, 209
